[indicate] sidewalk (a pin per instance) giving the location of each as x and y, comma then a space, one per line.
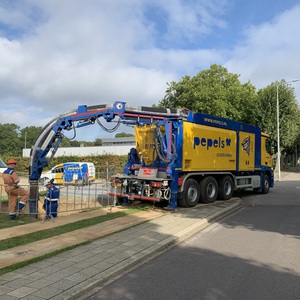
288, 174
72, 273
39, 248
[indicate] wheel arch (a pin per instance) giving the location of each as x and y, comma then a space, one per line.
271, 176
199, 175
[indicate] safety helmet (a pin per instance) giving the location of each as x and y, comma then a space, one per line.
48, 181
11, 161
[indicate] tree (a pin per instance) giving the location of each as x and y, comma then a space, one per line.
29, 135
10, 142
65, 143
214, 91
289, 113
75, 143
13, 139
98, 142
123, 134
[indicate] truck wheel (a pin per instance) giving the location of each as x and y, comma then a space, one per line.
191, 194
225, 188
79, 182
265, 184
208, 189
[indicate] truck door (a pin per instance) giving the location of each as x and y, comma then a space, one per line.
267, 149
68, 173
246, 151
84, 173
91, 172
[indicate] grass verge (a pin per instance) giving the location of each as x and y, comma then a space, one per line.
47, 233
36, 236
5, 222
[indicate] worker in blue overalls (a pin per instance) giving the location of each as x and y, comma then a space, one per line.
133, 159
51, 199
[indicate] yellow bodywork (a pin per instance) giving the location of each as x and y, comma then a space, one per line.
144, 140
208, 148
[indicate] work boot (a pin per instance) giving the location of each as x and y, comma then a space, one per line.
126, 202
12, 216
19, 207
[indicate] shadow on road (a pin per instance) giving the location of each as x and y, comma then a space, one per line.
211, 275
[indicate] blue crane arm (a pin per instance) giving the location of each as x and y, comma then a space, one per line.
52, 134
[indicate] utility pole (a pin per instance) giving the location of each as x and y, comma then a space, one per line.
278, 134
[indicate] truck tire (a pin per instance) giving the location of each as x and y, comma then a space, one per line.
265, 184
191, 194
208, 189
225, 188
79, 182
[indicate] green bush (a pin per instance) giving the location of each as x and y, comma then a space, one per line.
98, 160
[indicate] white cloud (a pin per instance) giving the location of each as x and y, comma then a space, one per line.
270, 51
188, 21
89, 54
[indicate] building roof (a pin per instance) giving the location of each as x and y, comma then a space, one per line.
119, 140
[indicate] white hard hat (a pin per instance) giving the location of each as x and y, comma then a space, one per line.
48, 181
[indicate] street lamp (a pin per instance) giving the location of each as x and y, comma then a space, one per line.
278, 135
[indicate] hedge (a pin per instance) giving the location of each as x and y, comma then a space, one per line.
98, 160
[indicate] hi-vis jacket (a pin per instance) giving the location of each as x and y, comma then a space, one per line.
52, 194
10, 179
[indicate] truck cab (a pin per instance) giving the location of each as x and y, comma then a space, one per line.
268, 149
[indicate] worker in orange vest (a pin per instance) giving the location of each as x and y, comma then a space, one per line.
13, 190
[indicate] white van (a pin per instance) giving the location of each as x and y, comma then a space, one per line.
81, 173
3, 166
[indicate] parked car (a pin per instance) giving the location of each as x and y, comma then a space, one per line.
3, 166
79, 173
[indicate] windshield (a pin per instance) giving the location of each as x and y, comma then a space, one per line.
271, 146
2, 164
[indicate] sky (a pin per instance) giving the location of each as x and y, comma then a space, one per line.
58, 54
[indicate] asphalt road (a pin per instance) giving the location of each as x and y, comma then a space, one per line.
251, 254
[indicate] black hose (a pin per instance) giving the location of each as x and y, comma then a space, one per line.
161, 155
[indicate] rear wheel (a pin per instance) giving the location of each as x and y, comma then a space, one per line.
191, 193
79, 182
225, 188
208, 189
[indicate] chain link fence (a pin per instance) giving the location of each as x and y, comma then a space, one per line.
73, 198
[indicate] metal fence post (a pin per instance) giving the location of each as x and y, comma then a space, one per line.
33, 198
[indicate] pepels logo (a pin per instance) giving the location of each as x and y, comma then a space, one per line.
246, 144
74, 168
208, 143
